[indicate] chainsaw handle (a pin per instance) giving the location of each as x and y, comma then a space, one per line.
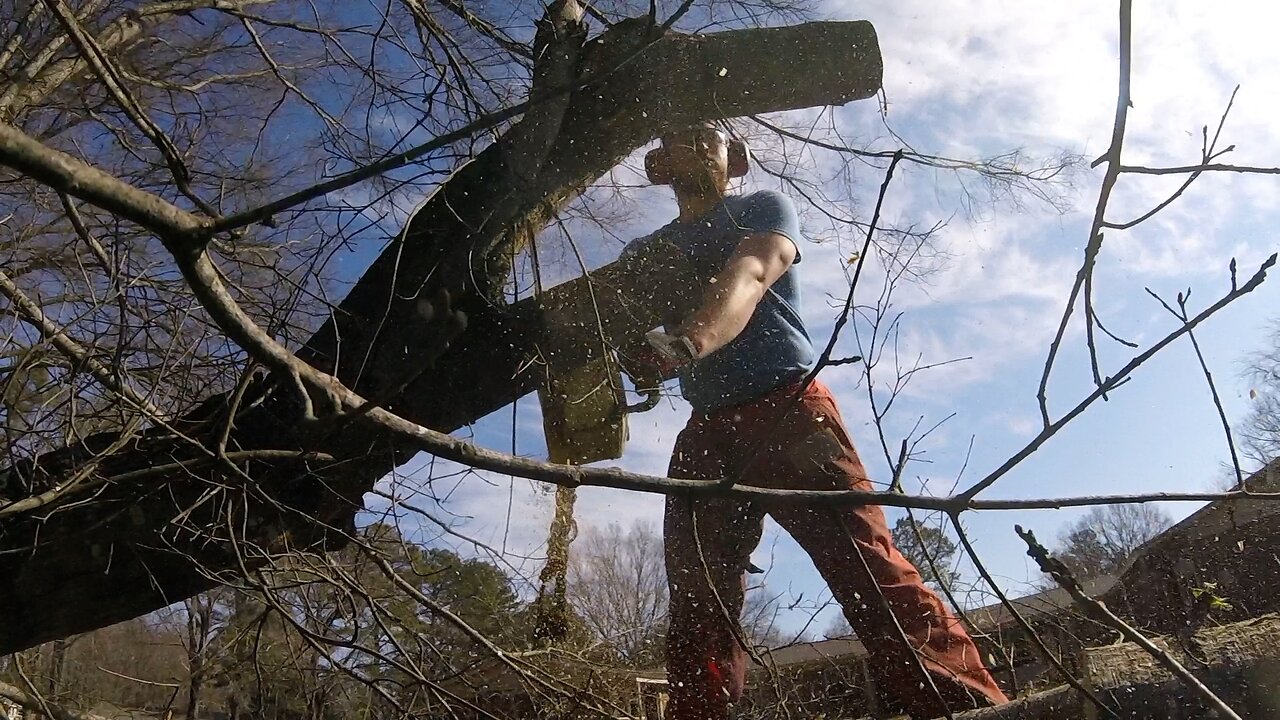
651, 398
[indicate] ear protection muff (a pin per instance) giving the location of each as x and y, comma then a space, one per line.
739, 158
655, 163
655, 166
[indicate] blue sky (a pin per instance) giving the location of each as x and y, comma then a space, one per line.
965, 81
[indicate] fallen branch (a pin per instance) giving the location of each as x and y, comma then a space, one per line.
1143, 690
37, 706
1063, 576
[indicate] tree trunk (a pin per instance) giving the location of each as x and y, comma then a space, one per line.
199, 623
57, 666
138, 545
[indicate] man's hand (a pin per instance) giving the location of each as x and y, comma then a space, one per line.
677, 348
647, 368
658, 359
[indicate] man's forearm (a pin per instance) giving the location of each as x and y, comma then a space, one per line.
727, 307
731, 298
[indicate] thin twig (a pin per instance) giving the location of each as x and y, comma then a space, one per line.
887, 607
105, 70
1181, 314
1030, 632
1121, 376
1207, 154
1094, 245
400, 159
841, 321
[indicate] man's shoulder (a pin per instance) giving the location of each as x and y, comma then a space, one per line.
643, 242
767, 206
763, 198
767, 210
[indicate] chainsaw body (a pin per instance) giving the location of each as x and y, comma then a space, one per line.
591, 326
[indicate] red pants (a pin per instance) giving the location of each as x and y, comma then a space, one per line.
709, 540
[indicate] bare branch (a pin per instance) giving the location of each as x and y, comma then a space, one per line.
1094, 244
1045, 652
1194, 169
1119, 377
74, 177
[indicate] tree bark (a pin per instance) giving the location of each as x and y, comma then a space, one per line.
156, 539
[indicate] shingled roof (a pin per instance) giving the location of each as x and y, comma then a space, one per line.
1048, 603
1218, 517
842, 648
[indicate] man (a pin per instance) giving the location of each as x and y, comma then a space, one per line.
742, 357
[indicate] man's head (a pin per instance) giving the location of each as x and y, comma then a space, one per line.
697, 157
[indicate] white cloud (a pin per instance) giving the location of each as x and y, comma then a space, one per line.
981, 77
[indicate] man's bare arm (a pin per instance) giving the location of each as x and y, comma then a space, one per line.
730, 300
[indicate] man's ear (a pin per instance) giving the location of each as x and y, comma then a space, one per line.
739, 158
656, 167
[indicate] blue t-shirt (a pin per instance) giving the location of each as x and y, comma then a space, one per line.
774, 348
